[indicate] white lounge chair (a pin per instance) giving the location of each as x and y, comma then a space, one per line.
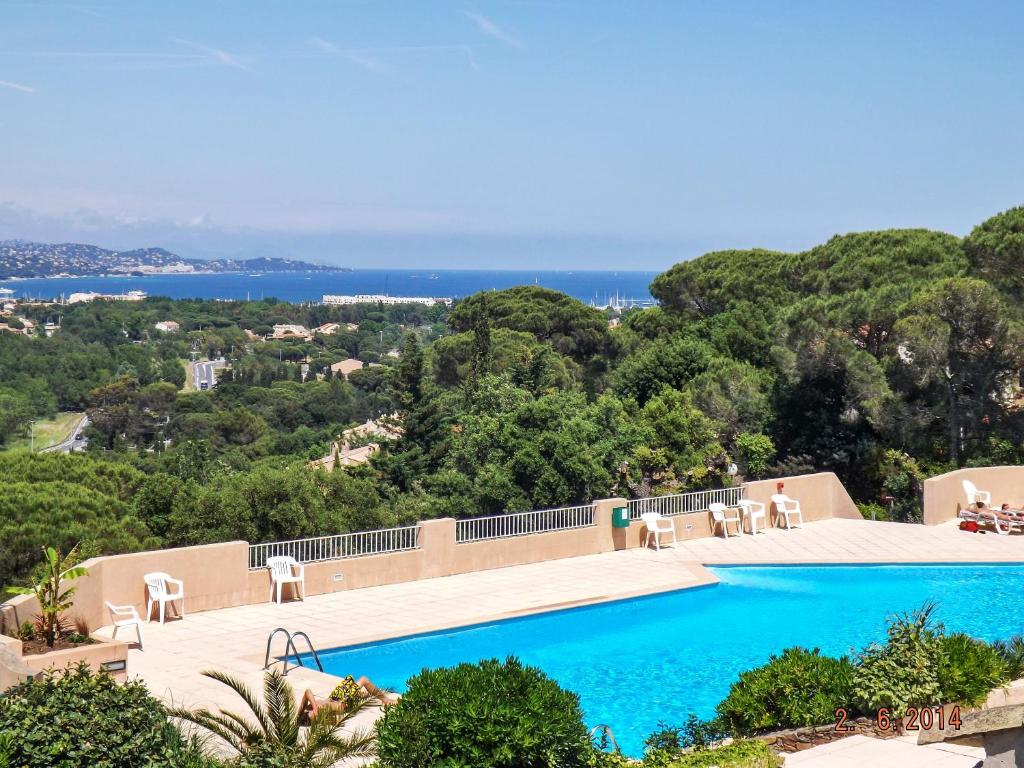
788, 509
125, 616
286, 570
657, 524
719, 518
162, 589
1003, 525
754, 511
974, 495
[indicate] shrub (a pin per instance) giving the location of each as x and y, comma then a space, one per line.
903, 672
740, 754
798, 688
488, 715
1012, 653
77, 719
968, 670
695, 733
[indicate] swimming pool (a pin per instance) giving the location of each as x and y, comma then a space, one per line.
640, 661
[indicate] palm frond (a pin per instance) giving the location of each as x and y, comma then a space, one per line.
281, 709
246, 694
206, 720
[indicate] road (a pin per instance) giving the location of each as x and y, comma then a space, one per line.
205, 372
72, 443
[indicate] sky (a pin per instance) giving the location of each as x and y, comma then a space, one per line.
525, 133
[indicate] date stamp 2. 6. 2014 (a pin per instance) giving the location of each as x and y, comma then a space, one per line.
915, 719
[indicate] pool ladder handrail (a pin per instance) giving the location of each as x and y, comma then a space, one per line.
290, 650
607, 731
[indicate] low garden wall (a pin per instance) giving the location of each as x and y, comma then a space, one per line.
218, 575
944, 494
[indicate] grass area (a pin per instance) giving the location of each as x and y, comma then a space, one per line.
49, 432
188, 374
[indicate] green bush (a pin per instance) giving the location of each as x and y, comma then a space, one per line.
488, 715
77, 719
968, 670
1012, 653
696, 733
904, 672
798, 688
739, 754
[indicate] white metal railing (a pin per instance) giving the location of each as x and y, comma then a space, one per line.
685, 503
339, 547
523, 523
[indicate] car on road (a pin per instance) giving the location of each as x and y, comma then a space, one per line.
204, 385
78, 435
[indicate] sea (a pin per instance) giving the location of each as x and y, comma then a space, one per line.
599, 288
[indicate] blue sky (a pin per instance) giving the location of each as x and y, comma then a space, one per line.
521, 133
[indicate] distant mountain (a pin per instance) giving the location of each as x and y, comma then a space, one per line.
20, 258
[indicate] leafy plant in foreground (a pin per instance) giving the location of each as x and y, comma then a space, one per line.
488, 715
798, 688
903, 672
1012, 653
75, 718
273, 738
53, 602
968, 669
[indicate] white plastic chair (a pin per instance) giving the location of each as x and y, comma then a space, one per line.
657, 524
719, 518
162, 589
974, 495
283, 571
125, 616
788, 509
754, 511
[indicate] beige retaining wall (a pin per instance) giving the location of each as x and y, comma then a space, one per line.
217, 575
944, 494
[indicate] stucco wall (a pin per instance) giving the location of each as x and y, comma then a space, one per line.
217, 575
944, 494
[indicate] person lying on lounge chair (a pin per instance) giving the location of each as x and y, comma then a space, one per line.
996, 516
311, 704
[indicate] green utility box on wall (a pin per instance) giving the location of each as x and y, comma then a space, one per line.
620, 517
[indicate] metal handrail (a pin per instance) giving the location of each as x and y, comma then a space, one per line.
685, 503
513, 524
607, 731
342, 546
290, 650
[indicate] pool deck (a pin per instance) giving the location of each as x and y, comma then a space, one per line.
233, 640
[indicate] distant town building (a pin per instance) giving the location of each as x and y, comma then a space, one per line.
327, 329
50, 328
78, 298
167, 326
345, 367
379, 298
289, 331
344, 455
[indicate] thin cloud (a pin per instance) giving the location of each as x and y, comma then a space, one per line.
217, 54
491, 29
17, 86
368, 57
357, 57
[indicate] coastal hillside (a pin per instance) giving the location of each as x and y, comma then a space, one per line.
20, 258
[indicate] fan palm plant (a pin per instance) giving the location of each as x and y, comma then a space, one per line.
273, 735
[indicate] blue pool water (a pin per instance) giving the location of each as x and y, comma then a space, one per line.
637, 662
